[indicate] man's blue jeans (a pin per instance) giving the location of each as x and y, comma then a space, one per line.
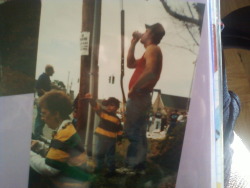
135, 128
39, 124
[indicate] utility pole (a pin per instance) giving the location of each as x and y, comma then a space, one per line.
91, 23
87, 29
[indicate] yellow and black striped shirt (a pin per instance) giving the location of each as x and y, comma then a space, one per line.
110, 124
66, 153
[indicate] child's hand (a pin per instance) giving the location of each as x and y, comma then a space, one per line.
34, 144
88, 96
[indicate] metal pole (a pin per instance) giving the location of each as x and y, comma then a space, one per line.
93, 82
122, 54
122, 61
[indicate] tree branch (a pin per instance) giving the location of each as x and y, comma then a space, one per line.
179, 16
191, 34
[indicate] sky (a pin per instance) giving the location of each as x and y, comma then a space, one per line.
59, 44
59, 40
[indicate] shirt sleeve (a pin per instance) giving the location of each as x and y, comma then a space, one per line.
38, 164
39, 82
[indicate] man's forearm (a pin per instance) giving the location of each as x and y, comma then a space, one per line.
131, 57
39, 165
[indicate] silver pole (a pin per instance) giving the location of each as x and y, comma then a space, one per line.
93, 66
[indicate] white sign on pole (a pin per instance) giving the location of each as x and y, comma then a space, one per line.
84, 43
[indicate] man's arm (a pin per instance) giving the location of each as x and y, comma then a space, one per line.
41, 84
40, 92
38, 86
39, 165
131, 61
153, 57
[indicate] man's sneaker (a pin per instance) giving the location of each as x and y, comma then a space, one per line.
127, 171
148, 135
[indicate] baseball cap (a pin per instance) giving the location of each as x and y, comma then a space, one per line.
111, 101
157, 29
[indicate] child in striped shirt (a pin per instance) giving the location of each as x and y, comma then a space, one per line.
108, 132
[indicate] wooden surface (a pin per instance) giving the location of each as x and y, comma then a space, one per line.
238, 72
228, 6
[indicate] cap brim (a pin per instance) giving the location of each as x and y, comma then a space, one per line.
147, 26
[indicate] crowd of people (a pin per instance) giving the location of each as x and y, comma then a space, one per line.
163, 122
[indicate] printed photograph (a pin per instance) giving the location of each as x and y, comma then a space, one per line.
112, 92
19, 29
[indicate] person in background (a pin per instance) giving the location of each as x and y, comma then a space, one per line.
158, 119
164, 121
181, 118
75, 110
172, 121
43, 85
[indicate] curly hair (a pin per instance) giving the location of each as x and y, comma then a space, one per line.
57, 101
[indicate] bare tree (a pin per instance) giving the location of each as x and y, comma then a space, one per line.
190, 21
182, 17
